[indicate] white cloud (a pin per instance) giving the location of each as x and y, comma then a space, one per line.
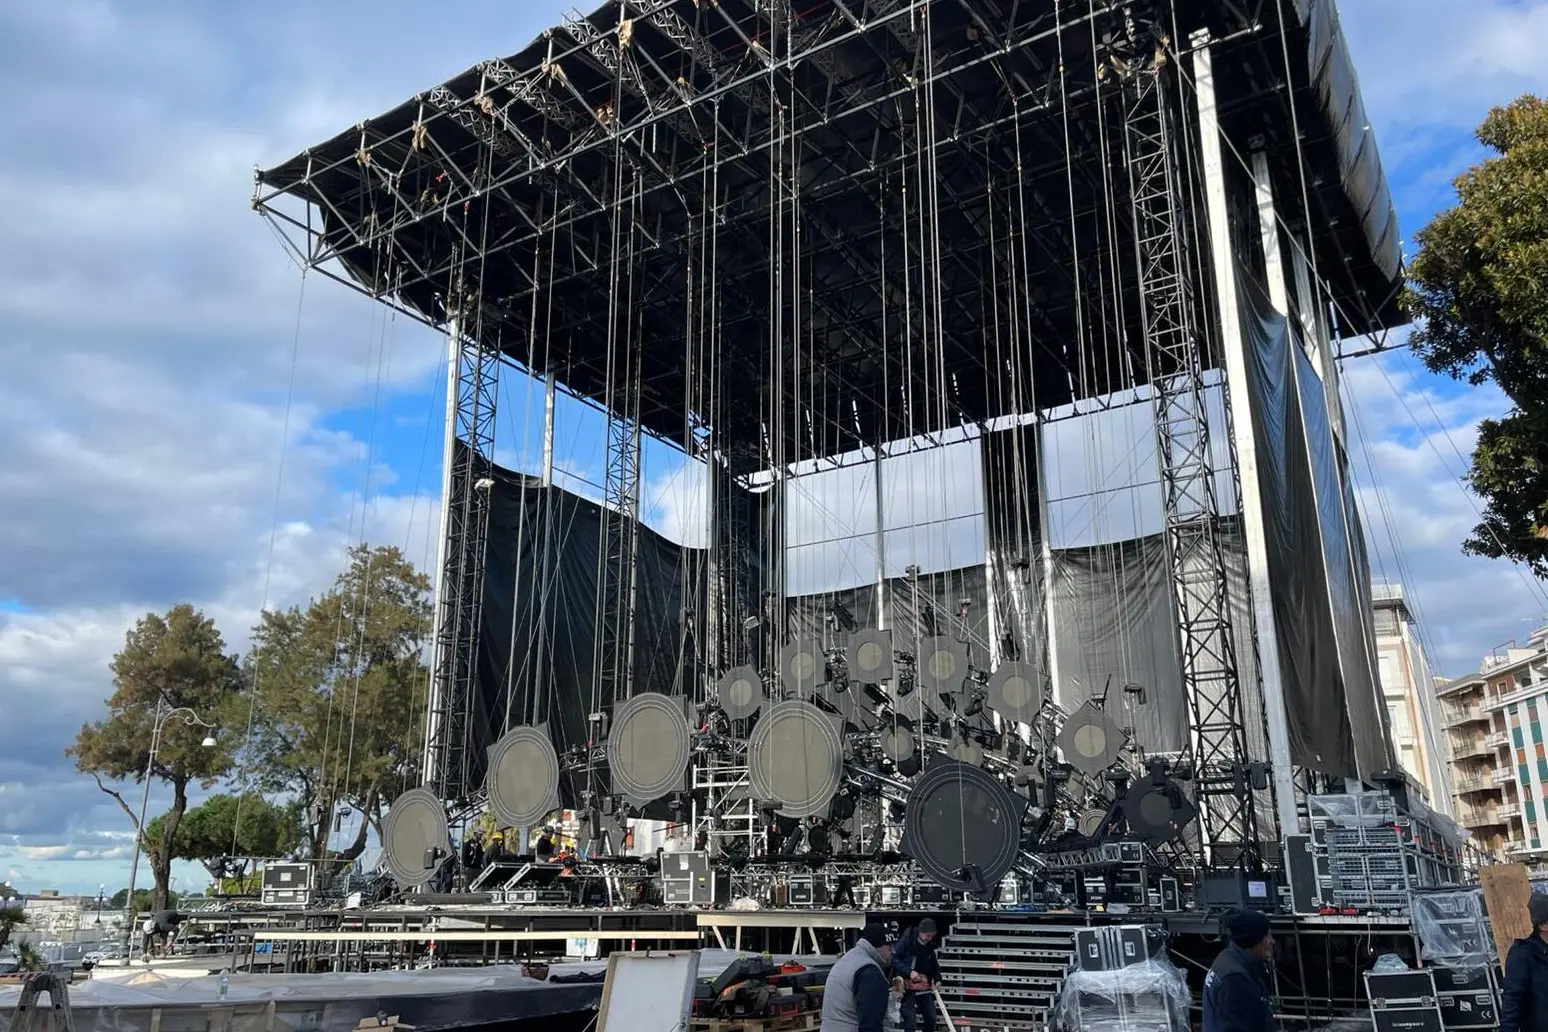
1418, 512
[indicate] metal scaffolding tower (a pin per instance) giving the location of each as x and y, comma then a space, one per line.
1211, 677
471, 384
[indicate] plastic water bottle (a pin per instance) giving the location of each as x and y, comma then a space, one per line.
225, 983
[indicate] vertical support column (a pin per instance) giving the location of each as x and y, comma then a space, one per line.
549, 394
1241, 406
1051, 631
430, 767
882, 610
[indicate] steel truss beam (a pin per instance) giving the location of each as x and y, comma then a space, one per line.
1154, 155
472, 384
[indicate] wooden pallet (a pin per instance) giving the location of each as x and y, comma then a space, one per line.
806, 1020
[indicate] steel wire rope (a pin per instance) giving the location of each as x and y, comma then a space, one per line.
268, 569
525, 437
333, 746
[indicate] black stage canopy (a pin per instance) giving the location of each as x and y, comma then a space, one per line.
720, 128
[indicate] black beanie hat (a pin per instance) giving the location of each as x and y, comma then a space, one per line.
927, 924
1537, 906
1246, 928
875, 934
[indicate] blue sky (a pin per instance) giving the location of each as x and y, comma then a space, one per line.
150, 325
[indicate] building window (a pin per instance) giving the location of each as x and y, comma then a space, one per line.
1526, 775
1515, 734
1529, 810
1542, 771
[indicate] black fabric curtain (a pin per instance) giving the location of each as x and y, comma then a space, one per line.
537, 635
1319, 728
1113, 626
1347, 599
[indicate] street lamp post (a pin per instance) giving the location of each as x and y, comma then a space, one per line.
190, 718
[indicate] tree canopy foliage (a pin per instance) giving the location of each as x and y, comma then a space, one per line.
171, 662
225, 832
1478, 291
339, 688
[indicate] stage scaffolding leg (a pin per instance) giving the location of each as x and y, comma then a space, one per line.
1211, 676
1282, 773
471, 379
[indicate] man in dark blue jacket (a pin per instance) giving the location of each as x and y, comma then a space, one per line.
1524, 996
1238, 988
913, 960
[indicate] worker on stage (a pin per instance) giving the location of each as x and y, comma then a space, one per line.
856, 995
1524, 996
914, 961
1238, 990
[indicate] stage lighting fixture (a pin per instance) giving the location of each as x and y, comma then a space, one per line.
1015, 692
869, 656
802, 668
741, 692
1091, 740
943, 666
897, 744
1157, 813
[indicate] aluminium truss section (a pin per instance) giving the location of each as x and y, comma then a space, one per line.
474, 379
1211, 676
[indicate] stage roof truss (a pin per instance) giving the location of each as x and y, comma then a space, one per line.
502, 173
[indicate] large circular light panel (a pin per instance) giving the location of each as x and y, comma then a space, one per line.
648, 748
795, 758
415, 824
523, 778
959, 816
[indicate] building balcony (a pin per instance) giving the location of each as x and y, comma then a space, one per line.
1503, 776
1497, 739
1476, 784
1472, 745
1458, 718
1505, 810
1481, 816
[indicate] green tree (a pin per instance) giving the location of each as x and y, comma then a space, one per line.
144, 899
168, 662
226, 833
1478, 292
340, 688
12, 916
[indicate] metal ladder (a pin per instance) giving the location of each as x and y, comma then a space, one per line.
23, 1019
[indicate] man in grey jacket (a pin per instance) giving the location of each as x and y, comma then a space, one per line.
857, 991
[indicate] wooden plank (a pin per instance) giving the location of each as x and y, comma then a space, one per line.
1506, 891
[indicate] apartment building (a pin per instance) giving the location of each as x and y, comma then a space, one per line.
1408, 688
1494, 723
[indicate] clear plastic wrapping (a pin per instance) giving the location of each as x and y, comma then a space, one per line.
1151, 996
1453, 929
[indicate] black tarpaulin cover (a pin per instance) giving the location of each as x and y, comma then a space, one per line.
1367, 710
537, 637
1319, 727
